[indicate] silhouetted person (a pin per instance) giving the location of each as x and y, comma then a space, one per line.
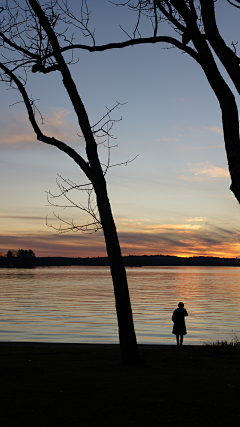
179, 327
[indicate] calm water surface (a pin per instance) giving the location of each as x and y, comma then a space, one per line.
76, 304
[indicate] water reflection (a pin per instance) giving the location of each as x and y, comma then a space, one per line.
76, 304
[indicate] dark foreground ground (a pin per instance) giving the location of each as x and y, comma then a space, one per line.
53, 385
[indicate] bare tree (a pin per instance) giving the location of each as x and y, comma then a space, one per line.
195, 32
33, 39
68, 190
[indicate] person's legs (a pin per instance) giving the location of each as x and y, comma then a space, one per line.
181, 339
177, 338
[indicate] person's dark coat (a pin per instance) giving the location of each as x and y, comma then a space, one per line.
179, 327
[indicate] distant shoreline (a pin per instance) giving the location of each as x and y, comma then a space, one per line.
141, 261
129, 261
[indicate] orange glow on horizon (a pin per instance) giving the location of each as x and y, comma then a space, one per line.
173, 243
76, 251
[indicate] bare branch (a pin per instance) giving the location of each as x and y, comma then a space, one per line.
122, 163
18, 48
65, 187
133, 42
40, 136
233, 4
234, 47
72, 20
155, 18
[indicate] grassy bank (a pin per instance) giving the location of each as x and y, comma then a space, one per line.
180, 387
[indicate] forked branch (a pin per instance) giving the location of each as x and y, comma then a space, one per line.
89, 206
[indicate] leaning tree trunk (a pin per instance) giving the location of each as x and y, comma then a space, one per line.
93, 171
127, 336
230, 121
226, 99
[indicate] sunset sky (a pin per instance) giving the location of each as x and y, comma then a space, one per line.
174, 198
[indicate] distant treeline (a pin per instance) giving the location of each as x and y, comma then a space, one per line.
27, 259
22, 258
141, 261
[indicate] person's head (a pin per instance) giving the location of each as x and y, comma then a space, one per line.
181, 305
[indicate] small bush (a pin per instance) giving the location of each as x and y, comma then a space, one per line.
234, 342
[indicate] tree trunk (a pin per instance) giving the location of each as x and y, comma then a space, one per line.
127, 336
230, 119
92, 168
226, 99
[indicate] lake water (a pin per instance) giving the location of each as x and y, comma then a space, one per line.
76, 304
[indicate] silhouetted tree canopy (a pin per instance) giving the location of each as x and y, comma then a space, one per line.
21, 253
195, 31
193, 28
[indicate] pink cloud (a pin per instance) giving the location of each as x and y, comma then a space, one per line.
214, 129
210, 240
203, 171
18, 131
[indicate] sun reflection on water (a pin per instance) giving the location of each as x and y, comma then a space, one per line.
76, 304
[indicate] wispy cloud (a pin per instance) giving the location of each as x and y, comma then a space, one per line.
154, 228
53, 244
183, 227
135, 220
58, 125
17, 129
168, 239
214, 129
24, 217
132, 222
167, 139
180, 134
178, 242
208, 241
203, 171
207, 147
178, 128
195, 219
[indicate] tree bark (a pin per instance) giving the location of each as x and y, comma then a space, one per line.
127, 336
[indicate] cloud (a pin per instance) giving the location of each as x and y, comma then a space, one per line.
24, 217
195, 219
132, 222
167, 139
153, 228
184, 227
195, 133
17, 129
203, 148
178, 242
203, 171
135, 220
198, 238
168, 239
58, 125
178, 128
53, 244
214, 129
